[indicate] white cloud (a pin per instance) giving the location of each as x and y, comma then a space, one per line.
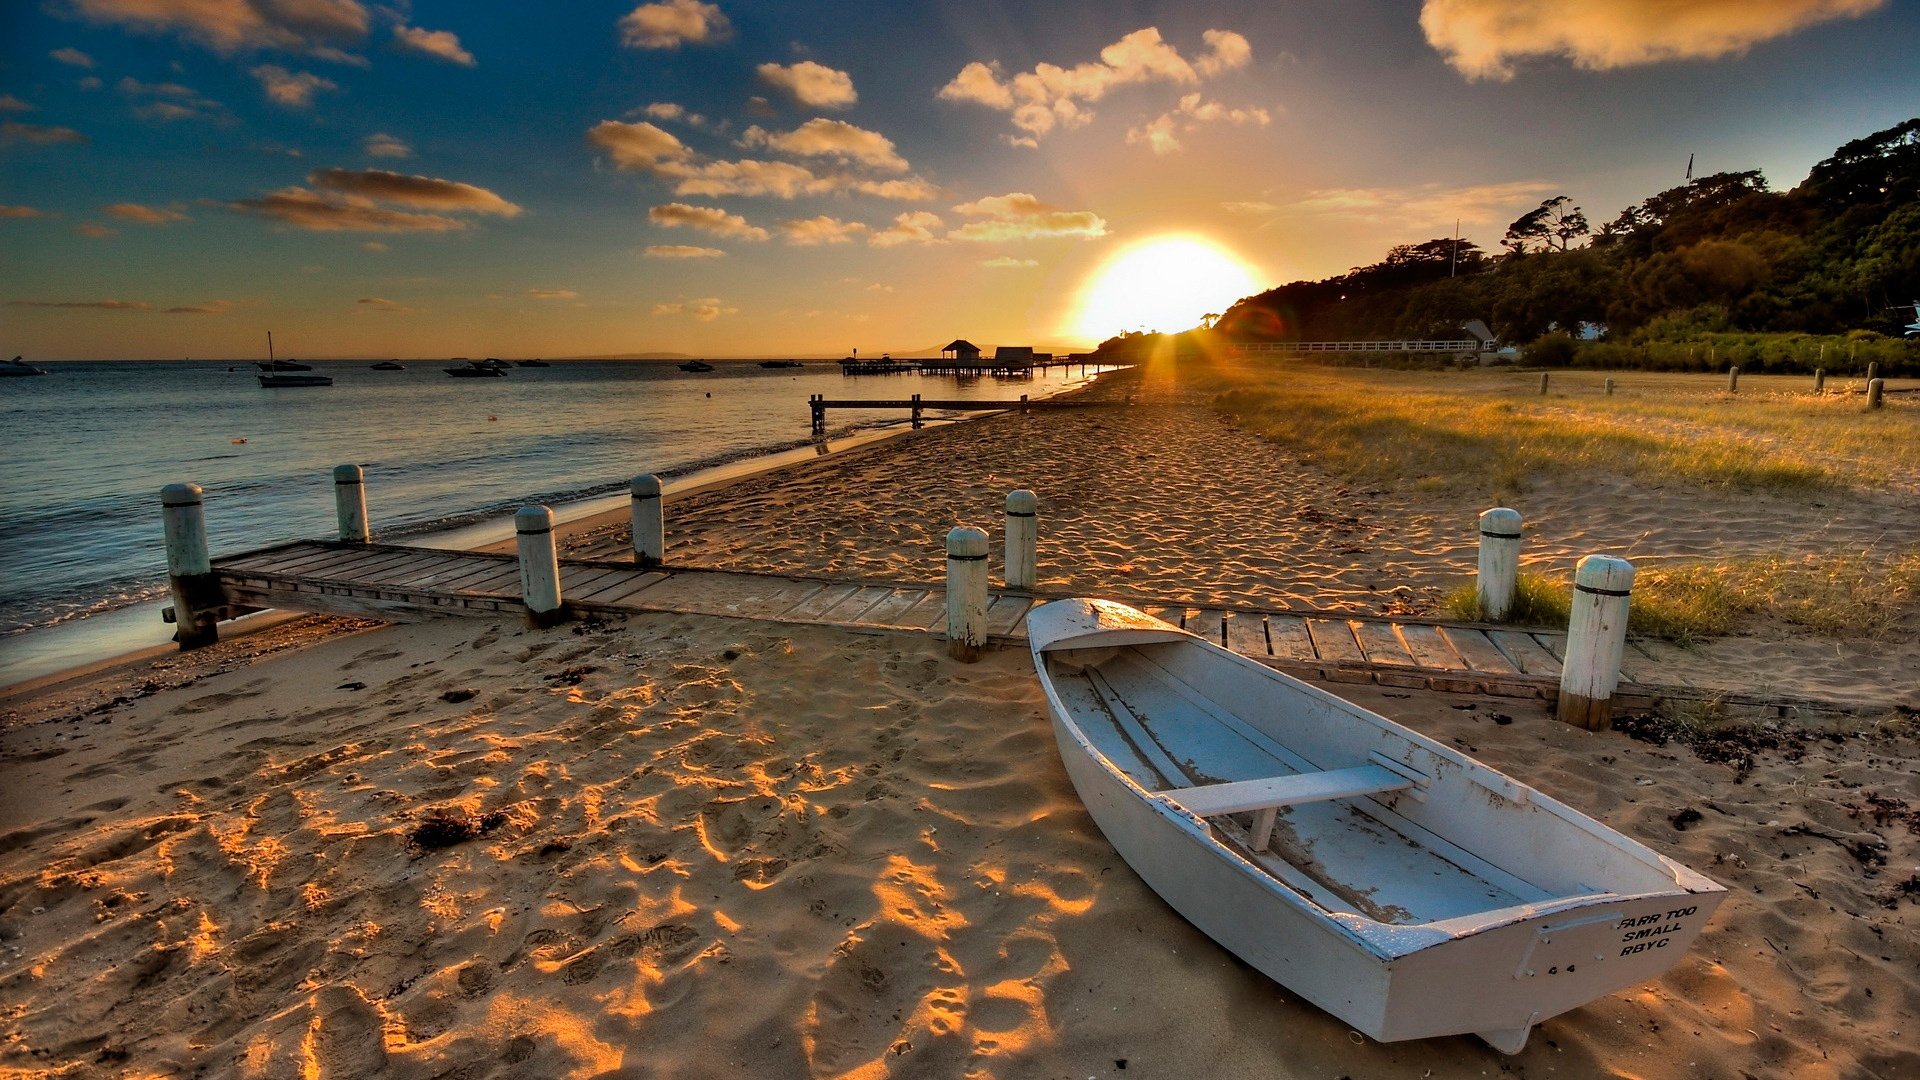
814, 231
319, 27
682, 251
814, 85
636, 146
444, 44
665, 110
645, 147
145, 215
706, 219
1419, 206
72, 56
168, 101
912, 227
838, 139
705, 310
1008, 262
381, 144
292, 89
1163, 131
11, 104
552, 294
670, 24
1019, 216
423, 191
1485, 38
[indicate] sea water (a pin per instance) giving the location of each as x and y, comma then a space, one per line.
93, 443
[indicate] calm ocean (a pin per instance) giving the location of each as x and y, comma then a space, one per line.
93, 443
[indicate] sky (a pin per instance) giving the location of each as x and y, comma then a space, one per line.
178, 177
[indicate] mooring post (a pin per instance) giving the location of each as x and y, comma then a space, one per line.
1733, 380
1873, 370
189, 568
649, 522
1543, 384
539, 565
1876, 389
350, 503
1023, 509
816, 404
1596, 641
916, 412
966, 594
1609, 386
1819, 380
1023, 404
1500, 530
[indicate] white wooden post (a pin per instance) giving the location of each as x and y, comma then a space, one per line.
189, 568
1499, 561
1022, 538
966, 594
649, 521
1733, 380
1543, 384
1820, 380
539, 565
1609, 386
350, 503
1873, 370
1596, 641
1876, 389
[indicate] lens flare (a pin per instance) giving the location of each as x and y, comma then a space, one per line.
1164, 283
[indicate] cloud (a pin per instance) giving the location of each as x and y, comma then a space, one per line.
102, 305
1418, 206
1254, 206
316, 212
212, 307
10, 104
1051, 96
814, 85
670, 24
432, 193
1008, 262
779, 179
72, 56
552, 294
636, 146
1019, 216
444, 44
93, 230
291, 89
837, 139
374, 245
381, 144
814, 231
1484, 38
707, 219
375, 303
1161, 133
682, 251
227, 26
12, 131
664, 110
144, 215
19, 212
705, 310
168, 101
912, 227
91, 82
879, 287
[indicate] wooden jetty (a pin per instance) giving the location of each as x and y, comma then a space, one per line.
818, 404
1245, 348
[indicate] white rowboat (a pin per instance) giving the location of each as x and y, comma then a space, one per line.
1399, 885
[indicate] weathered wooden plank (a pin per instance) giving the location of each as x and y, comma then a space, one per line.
1526, 653
1005, 612
411, 567
893, 609
620, 587
1209, 626
930, 613
1247, 635
1175, 615
1664, 665
502, 582
1380, 643
1479, 652
301, 564
1287, 636
1429, 649
354, 563
481, 571
467, 565
853, 607
268, 556
585, 579
1334, 642
813, 606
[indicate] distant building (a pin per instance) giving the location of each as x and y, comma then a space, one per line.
962, 350
1013, 356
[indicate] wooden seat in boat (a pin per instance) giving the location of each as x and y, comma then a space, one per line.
1267, 794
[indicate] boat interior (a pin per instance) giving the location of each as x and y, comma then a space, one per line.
1353, 811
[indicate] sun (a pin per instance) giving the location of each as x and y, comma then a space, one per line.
1161, 283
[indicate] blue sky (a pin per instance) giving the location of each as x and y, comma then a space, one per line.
489, 179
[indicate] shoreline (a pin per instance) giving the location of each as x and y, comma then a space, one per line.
43, 657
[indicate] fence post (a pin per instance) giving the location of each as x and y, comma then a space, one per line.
1876, 389
649, 521
1596, 641
916, 412
1733, 380
1500, 530
1609, 386
966, 594
1873, 370
539, 565
1819, 380
1543, 384
350, 503
189, 569
1022, 538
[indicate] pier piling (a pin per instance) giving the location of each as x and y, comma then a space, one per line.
350, 504
196, 593
539, 565
1596, 641
1500, 530
1819, 380
1733, 380
1023, 508
649, 522
966, 594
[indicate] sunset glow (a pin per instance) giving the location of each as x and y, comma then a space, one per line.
1163, 283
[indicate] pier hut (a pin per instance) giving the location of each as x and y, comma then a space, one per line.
960, 351
1013, 358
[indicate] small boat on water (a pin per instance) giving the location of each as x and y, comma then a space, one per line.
478, 369
284, 381
1396, 883
282, 365
696, 365
492, 362
387, 365
781, 364
18, 367
531, 363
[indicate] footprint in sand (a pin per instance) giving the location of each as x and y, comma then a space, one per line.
887, 982
210, 702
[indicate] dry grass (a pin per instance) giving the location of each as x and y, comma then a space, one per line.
1490, 432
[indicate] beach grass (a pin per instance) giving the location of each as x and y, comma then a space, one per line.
1491, 432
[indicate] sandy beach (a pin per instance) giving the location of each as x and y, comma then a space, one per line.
692, 847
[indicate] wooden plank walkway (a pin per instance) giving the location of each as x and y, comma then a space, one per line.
386, 581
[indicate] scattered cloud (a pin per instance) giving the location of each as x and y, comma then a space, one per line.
1008, 262
11, 104
72, 56
912, 227
316, 26
673, 23
1252, 206
552, 294
814, 85
836, 139
12, 131
1483, 39
665, 110
144, 215
91, 82
1019, 216
19, 212
705, 310
1418, 206
379, 185
879, 288
637, 146
168, 101
291, 89
374, 245
443, 44
1161, 133
101, 305
1051, 96
644, 147
375, 303
93, 230
381, 144
212, 307
707, 219
682, 251
814, 231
